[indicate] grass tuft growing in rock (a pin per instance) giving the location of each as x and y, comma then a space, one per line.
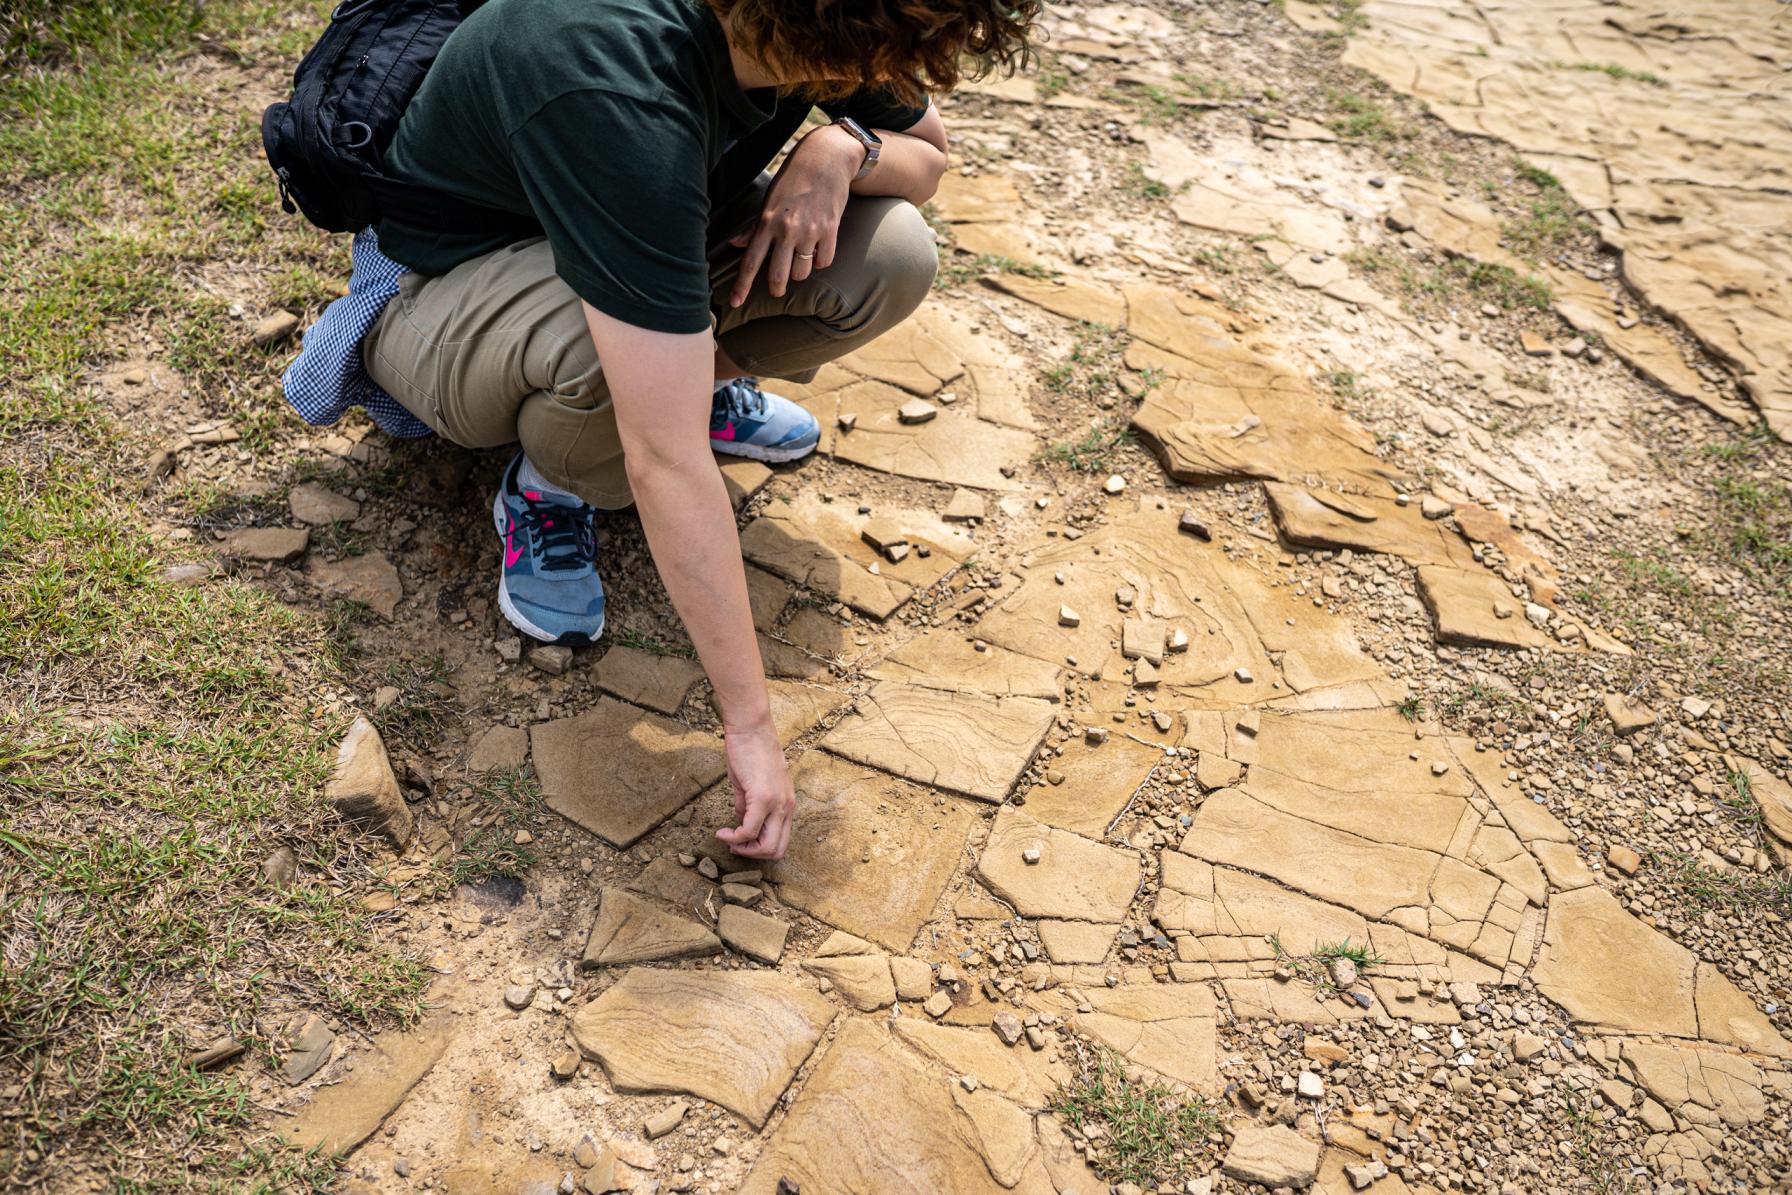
1138, 1131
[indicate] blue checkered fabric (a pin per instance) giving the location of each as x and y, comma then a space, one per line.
328, 377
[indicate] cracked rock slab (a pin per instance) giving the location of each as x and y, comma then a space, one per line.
1474, 608
1098, 783
343, 1115
659, 682
947, 660
846, 1133
1168, 1028
949, 446
629, 929
736, 1038
1073, 879
619, 772
964, 742
1609, 969
818, 545
870, 853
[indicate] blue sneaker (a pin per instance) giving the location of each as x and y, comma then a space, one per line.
746, 421
549, 588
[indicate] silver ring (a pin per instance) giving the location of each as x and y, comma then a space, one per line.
802, 255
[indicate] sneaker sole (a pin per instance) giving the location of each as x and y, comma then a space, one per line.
515, 616
770, 456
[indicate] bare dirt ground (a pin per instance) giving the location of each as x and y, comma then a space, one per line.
1307, 709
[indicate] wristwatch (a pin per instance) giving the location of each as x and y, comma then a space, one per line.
871, 141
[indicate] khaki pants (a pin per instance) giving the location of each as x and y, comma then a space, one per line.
497, 351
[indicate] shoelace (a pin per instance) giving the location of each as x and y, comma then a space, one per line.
741, 398
561, 536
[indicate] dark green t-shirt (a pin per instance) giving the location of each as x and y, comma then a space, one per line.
619, 124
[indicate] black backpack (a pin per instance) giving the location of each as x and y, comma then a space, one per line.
327, 144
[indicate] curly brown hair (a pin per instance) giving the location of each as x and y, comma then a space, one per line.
913, 48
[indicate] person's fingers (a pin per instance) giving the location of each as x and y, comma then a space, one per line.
757, 247
824, 247
781, 842
778, 263
802, 263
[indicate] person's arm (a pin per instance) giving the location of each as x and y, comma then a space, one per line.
795, 233
660, 384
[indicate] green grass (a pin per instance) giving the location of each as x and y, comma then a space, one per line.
1051, 83
1148, 1133
157, 741
1360, 118
1093, 452
1412, 708
1725, 888
1614, 71
1204, 87
1605, 1169
1740, 801
1347, 384
1154, 105
1362, 956
1140, 185
629, 637
962, 268
505, 800
1503, 286
1754, 520
1551, 221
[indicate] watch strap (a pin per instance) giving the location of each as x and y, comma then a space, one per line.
871, 141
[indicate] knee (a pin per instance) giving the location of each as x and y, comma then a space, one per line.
901, 259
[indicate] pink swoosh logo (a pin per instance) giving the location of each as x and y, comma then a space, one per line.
727, 433
511, 554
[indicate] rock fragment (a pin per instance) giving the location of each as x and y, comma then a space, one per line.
362, 789
1627, 714
272, 545
274, 328
752, 934
1273, 1156
665, 1120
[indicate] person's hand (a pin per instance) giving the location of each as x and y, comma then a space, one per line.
764, 800
795, 232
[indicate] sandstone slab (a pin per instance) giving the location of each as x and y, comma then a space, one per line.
319, 505
965, 742
619, 772
659, 682
279, 545
753, 934
948, 447
735, 1038
947, 660
370, 579
818, 545
343, 1115
1076, 941
631, 929
1167, 1028
499, 747
1474, 608
846, 1133
863, 980
1073, 878
1099, 781
870, 853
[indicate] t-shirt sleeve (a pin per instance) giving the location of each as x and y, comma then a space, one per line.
876, 109
618, 185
